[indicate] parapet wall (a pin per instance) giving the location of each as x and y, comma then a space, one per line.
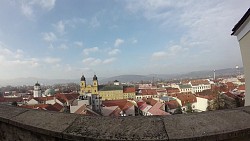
34, 125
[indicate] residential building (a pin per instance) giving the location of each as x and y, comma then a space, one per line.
200, 85
146, 93
241, 30
186, 88
111, 92
128, 92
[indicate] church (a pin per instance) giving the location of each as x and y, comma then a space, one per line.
89, 88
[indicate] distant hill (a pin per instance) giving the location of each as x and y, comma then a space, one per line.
123, 78
126, 78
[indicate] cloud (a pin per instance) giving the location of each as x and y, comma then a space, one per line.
29, 6
94, 22
46, 4
87, 51
114, 51
159, 55
51, 60
134, 41
27, 10
92, 61
96, 61
49, 37
109, 60
173, 51
9, 58
63, 46
60, 27
118, 42
78, 44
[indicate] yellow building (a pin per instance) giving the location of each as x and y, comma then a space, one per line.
89, 88
111, 92
129, 93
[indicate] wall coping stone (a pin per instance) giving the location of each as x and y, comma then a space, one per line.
209, 126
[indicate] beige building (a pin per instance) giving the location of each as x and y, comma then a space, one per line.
111, 92
242, 31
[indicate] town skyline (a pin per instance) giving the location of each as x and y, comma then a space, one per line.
44, 39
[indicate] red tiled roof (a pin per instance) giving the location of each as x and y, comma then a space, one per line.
199, 82
172, 90
67, 97
58, 106
155, 110
41, 99
123, 104
129, 90
230, 95
48, 107
148, 92
241, 87
208, 97
16, 99
186, 98
172, 104
150, 101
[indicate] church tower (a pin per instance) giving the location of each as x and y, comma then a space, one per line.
95, 85
37, 90
82, 85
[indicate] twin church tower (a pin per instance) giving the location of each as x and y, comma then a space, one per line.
89, 88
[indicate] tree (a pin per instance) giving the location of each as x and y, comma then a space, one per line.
14, 103
189, 108
178, 110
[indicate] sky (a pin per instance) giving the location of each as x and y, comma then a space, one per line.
64, 39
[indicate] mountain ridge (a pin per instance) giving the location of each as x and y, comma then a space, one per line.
123, 78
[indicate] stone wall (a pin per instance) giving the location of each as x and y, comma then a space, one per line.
34, 125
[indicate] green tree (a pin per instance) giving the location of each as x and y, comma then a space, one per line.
189, 108
178, 110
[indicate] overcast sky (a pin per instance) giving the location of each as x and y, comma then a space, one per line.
64, 38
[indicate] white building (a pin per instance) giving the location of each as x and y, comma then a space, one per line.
200, 85
201, 104
241, 30
37, 90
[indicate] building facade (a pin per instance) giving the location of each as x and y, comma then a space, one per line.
37, 90
89, 88
242, 31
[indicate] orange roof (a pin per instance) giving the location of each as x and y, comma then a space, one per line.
208, 97
241, 87
48, 107
199, 82
129, 90
172, 90
150, 101
155, 110
41, 99
230, 95
67, 97
148, 92
186, 98
172, 104
123, 104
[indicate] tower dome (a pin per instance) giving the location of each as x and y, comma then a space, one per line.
95, 77
37, 84
83, 78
